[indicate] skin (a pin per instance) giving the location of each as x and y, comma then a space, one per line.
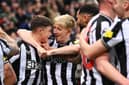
10, 76
92, 50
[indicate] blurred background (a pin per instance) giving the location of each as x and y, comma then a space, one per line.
15, 14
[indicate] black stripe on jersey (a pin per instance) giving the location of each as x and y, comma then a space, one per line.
121, 52
36, 79
27, 72
63, 73
123, 61
93, 80
74, 67
0, 81
98, 29
85, 73
16, 67
52, 72
44, 74
4, 43
106, 81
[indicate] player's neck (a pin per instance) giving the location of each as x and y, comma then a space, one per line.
126, 15
35, 37
105, 10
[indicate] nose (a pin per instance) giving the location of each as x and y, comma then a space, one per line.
54, 30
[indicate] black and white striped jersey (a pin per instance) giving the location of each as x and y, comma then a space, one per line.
57, 71
97, 26
118, 37
28, 66
4, 51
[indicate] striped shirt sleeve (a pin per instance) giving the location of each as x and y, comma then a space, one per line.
113, 35
5, 47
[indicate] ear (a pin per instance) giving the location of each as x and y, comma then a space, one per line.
111, 2
39, 30
85, 16
126, 5
69, 30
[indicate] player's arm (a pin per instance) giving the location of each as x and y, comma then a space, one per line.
11, 43
110, 38
9, 75
69, 53
91, 51
105, 67
66, 50
27, 37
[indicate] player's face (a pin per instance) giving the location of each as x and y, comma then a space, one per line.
119, 7
45, 34
60, 33
83, 19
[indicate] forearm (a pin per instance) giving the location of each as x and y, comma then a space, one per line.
110, 72
92, 51
10, 76
66, 50
12, 44
27, 37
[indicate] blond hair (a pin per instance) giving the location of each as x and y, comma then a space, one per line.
66, 21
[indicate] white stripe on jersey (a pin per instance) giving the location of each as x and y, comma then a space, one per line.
97, 76
88, 78
58, 74
1, 59
1, 66
39, 79
33, 76
125, 25
14, 58
22, 65
68, 73
48, 66
5, 48
82, 76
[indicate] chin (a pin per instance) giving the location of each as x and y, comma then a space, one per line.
58, 40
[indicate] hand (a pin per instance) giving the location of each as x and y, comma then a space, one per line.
42, 52
49, 53
125, 82
45, 46
83, 33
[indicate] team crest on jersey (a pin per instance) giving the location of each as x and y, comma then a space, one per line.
108, 34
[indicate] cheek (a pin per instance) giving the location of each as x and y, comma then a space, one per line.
119, 10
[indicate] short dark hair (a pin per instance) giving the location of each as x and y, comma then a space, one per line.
99, 1
89, 8
40, 21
